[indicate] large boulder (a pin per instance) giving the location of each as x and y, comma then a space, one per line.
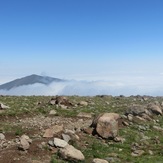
136, 110
106, 125
71, 153
155, 109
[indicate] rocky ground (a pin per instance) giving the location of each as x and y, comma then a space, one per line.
100, 129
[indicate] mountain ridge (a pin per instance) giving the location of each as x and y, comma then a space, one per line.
29, 80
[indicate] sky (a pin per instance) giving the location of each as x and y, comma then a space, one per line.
105, 40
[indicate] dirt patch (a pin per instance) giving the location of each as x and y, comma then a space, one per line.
34, 127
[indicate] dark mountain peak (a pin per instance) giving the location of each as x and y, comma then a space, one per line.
28, 80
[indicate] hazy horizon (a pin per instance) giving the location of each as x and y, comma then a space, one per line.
90, 88
86, 40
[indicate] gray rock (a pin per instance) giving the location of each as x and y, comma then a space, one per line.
158, 128
119, 139
147, 115
61, 100
136, 110
27, 138
51, 143
142, 128
63, 106
24, 142
84, 115
130, 117
161, 104
24, 145
83, 103
112, 159
49, 133
97, 160
69, 131
137, 153
106, 125
138, 119
71, 153
72, 135
52, 102
155, 109
2, 106
125, 123
150, 152
60, 143
66, 137
52, 112
2, 136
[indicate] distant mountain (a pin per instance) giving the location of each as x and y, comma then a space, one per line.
28, 80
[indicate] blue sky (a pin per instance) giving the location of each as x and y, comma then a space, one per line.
81, 39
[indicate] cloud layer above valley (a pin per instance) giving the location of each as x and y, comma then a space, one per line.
91, 88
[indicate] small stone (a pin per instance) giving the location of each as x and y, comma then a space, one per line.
125, 123
130, 117
108, 103
48, 133
69, 131
52, 112
2, 106
142, 128
88, 131
52, 102
97, 160
27, 138
43, 143
150, 152
119, 139
36, 161
2, 136
51, 143
158, 128
63, 106
84, 115
83, 103
112, 159
24, 145
137, 153
138, 118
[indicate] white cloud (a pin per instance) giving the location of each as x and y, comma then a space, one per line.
113, 84
84, 88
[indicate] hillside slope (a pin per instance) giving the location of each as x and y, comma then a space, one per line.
32, 79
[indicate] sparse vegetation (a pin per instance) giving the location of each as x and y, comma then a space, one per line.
140, 133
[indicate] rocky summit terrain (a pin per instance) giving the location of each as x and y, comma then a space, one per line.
99, 129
